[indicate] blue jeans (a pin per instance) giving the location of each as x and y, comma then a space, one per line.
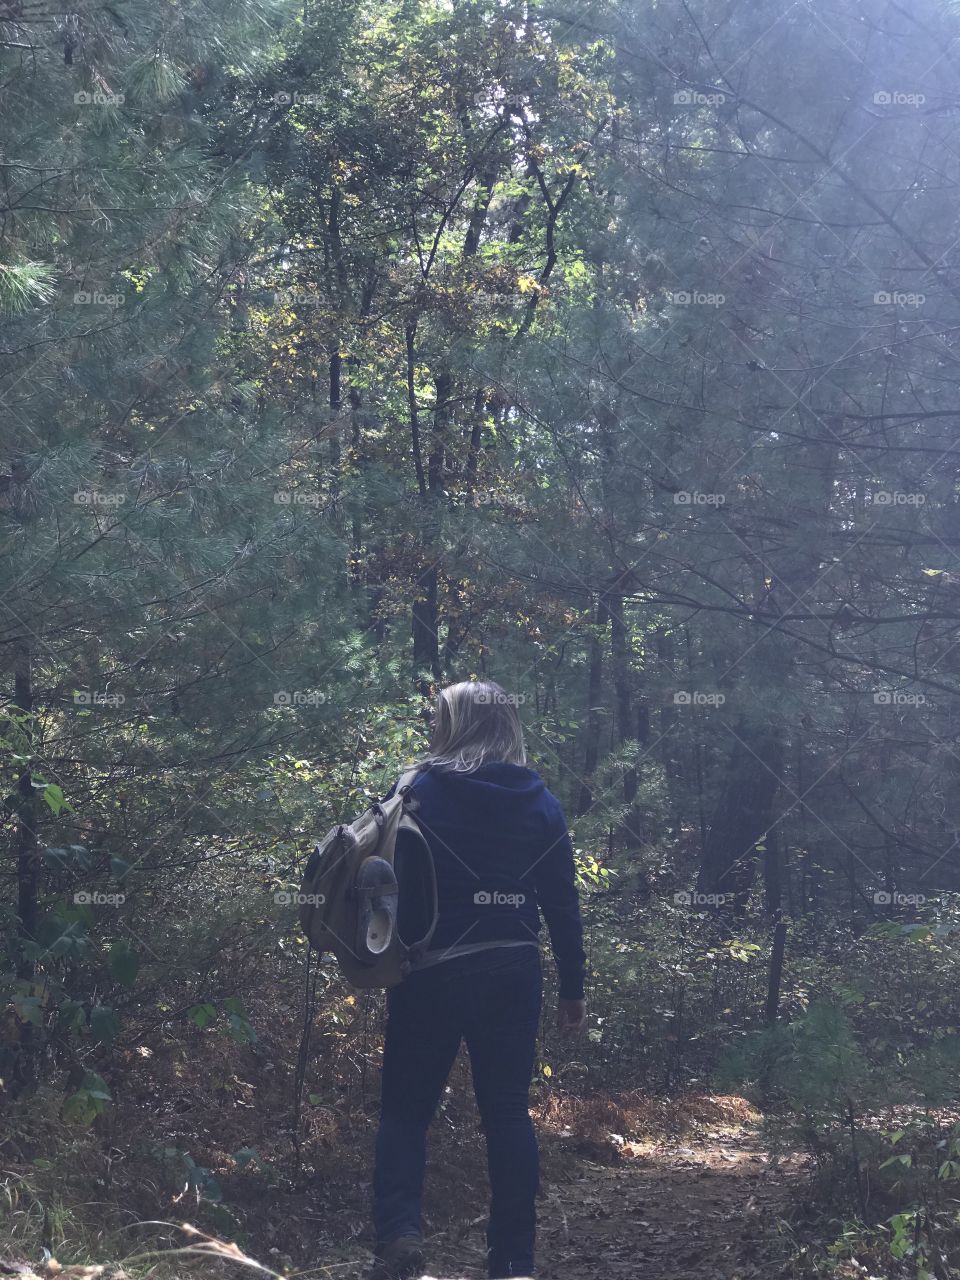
492, 1000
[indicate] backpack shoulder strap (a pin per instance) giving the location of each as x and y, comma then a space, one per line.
406, 780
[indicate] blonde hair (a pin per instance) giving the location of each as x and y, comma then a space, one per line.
476, 724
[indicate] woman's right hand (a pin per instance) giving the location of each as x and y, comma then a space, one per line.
571, 1016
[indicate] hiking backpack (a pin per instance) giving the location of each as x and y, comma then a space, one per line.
349, 899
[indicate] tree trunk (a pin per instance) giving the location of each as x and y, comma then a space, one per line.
457, 618
426, 649
743, 815
631, 828
594, 710
620, 661
27, 844
773, 874
772, 1011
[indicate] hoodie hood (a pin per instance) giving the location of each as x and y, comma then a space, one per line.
496, 794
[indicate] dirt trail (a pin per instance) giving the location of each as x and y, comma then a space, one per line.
701, 1206
709, 1209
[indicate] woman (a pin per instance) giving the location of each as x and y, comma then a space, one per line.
503, 855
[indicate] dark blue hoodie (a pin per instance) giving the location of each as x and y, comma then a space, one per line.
503, 855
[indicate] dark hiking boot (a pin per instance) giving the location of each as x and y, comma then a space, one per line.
400, 1259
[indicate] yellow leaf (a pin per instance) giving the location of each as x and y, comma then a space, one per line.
548, 1072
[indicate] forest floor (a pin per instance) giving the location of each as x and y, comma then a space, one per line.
705, 1204
649, 1188
691, 1196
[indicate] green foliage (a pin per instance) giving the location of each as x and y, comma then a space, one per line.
124, 963
866, 1091
88, 1101
24, 285
813, 1065
238, 1024
185, 1174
